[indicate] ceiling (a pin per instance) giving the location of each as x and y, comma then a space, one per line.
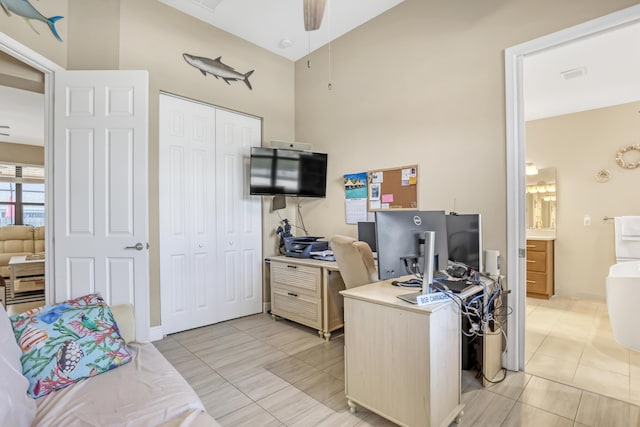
269, 24
603, 71
610, 60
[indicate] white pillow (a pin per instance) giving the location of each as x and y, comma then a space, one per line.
20, 409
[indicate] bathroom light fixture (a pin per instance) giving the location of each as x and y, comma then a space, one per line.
313, 13
531, 169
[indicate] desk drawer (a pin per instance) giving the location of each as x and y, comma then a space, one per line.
297, 307
536, 261
300, 279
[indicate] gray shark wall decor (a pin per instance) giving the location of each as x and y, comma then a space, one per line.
28, 12
216, 68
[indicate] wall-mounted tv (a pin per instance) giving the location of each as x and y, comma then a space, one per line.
276, 171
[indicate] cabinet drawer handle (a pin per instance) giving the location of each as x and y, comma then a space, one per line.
531, 246
292, 266
292, 294
531, 281
531, 261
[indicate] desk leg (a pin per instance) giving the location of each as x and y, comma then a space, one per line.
325, 305
13, 282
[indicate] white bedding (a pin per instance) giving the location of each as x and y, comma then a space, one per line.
147, 391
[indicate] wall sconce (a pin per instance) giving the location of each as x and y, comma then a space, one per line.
531, 169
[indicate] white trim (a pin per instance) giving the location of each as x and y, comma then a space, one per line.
155, 333
515, 150
48, 68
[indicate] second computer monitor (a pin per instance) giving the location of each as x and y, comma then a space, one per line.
464, 237
367, 233
397, 240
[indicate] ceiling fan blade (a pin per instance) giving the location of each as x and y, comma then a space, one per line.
313, 12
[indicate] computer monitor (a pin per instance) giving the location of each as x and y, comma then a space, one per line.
367, 233
464, 239
397, 240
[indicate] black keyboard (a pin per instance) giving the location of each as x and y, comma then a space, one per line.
455, 286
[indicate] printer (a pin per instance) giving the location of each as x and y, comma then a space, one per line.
301, 247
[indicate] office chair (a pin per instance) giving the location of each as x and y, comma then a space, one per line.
355, 261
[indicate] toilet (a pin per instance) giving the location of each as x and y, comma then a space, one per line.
623, 290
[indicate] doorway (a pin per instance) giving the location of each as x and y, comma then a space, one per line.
516, 225
34, 64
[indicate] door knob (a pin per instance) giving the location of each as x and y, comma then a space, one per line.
138, 246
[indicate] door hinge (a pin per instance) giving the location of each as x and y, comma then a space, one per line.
522, 253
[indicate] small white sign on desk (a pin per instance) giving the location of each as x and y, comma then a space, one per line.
432, 298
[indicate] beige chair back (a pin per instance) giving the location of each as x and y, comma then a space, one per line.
355, 261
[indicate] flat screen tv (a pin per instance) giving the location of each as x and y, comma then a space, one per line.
277, 171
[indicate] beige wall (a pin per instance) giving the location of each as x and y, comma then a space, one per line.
44, 43
424, 83
154, 36
21, 154
94, 35
578, 145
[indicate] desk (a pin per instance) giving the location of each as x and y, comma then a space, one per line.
402, 361
21, 267
306, 291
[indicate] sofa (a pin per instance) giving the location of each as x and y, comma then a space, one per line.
17, 240
147, 391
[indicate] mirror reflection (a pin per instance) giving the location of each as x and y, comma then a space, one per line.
541, 199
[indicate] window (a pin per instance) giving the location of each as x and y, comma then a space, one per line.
21, 197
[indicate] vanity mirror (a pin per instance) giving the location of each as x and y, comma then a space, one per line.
541, 200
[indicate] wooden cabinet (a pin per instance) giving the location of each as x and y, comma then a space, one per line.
540, 270
402, 361
306, 291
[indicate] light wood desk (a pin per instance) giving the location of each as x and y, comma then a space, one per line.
306, 291
402, 361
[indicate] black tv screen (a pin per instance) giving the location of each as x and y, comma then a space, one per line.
276, 171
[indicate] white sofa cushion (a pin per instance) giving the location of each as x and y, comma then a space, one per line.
147, 391
20, 409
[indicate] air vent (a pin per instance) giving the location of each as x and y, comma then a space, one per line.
574, 73
208, 4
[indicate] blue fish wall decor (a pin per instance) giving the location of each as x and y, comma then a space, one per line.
28, 12
216, 68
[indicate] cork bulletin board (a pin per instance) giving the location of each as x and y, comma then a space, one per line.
394, 188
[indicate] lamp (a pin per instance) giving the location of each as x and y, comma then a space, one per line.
313, 13
531, 169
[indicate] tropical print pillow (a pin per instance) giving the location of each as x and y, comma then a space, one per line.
64, 344
90, 299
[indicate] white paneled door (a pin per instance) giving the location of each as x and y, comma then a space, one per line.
210, 270
100, 178
239, 228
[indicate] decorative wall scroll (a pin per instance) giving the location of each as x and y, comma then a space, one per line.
620, 157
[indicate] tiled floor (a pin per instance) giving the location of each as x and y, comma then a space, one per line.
570, 341
255, 371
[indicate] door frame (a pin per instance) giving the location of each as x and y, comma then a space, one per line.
515, 152
48, 68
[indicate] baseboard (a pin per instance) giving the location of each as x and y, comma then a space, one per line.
155, 333
266, 307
